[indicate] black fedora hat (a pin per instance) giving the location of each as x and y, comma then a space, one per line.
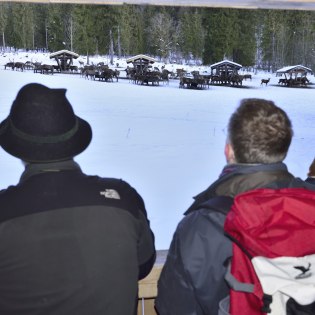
42, 126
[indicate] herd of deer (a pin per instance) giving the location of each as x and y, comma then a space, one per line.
37, 67
298, 81
100, 72
194, 81
15, 65
104, 73
147, 76
302, 81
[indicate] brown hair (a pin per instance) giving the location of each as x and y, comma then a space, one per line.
259, 132
311, 171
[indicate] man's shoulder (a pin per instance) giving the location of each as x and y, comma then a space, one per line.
207, 219
109, 182
116, 188
220, 204
67, 179
61, 190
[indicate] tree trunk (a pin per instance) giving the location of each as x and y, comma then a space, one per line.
3, 41
118, 43
111, 47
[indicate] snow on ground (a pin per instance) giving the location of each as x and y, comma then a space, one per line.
166, 142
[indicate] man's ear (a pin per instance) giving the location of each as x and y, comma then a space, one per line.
229, 153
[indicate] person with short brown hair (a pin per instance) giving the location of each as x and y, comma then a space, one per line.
259, 132
192, 280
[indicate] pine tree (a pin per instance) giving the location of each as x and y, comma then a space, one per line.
105, 18
40, 18
55, 28
244, 42
192, 33
219, 38
67, 22
20, 27
84, 35
132, 27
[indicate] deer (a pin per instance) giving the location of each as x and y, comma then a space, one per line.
283, 81
266, 81
247, 76
10, 64
304, 81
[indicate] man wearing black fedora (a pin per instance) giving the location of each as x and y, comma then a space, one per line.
70, 244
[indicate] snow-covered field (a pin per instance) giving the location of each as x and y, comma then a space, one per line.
166, 142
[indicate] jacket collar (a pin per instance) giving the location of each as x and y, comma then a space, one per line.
32, 169
238, 178
251, 168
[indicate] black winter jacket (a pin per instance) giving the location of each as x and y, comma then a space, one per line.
72, 244
192, 280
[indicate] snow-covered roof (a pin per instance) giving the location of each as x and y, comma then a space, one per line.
226, 62
296, 68
62, 52
139, 57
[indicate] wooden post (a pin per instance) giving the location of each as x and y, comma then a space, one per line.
148, 286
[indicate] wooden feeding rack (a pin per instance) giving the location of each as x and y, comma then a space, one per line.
64, 59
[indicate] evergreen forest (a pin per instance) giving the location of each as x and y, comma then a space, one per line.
265, 39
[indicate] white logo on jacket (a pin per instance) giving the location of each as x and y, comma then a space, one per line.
110, 193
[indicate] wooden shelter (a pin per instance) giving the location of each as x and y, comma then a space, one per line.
141, 62
225, 68
225, 72
294, 75
64, 58
294, 71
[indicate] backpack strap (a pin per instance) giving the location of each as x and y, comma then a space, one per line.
235, 284
247, 288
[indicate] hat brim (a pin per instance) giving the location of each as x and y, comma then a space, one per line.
47, 152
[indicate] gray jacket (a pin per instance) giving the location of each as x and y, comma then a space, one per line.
192, 280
